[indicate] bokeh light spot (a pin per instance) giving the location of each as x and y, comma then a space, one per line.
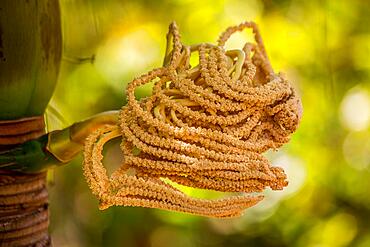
133, 52
339, 230
356, 150
355, 109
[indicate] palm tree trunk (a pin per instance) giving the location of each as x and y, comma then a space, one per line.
30, 55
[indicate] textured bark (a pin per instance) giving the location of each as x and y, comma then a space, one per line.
24, 216
21, 130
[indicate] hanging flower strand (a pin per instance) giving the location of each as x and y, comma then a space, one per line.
204, 126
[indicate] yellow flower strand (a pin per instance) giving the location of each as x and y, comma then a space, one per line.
205, 126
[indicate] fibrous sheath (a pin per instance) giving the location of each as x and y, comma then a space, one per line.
204, 126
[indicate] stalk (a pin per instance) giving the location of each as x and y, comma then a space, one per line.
55, 148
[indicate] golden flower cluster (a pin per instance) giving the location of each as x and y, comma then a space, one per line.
204, 126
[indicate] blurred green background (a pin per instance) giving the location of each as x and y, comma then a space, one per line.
322, 46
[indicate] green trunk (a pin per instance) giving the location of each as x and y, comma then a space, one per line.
30, 54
